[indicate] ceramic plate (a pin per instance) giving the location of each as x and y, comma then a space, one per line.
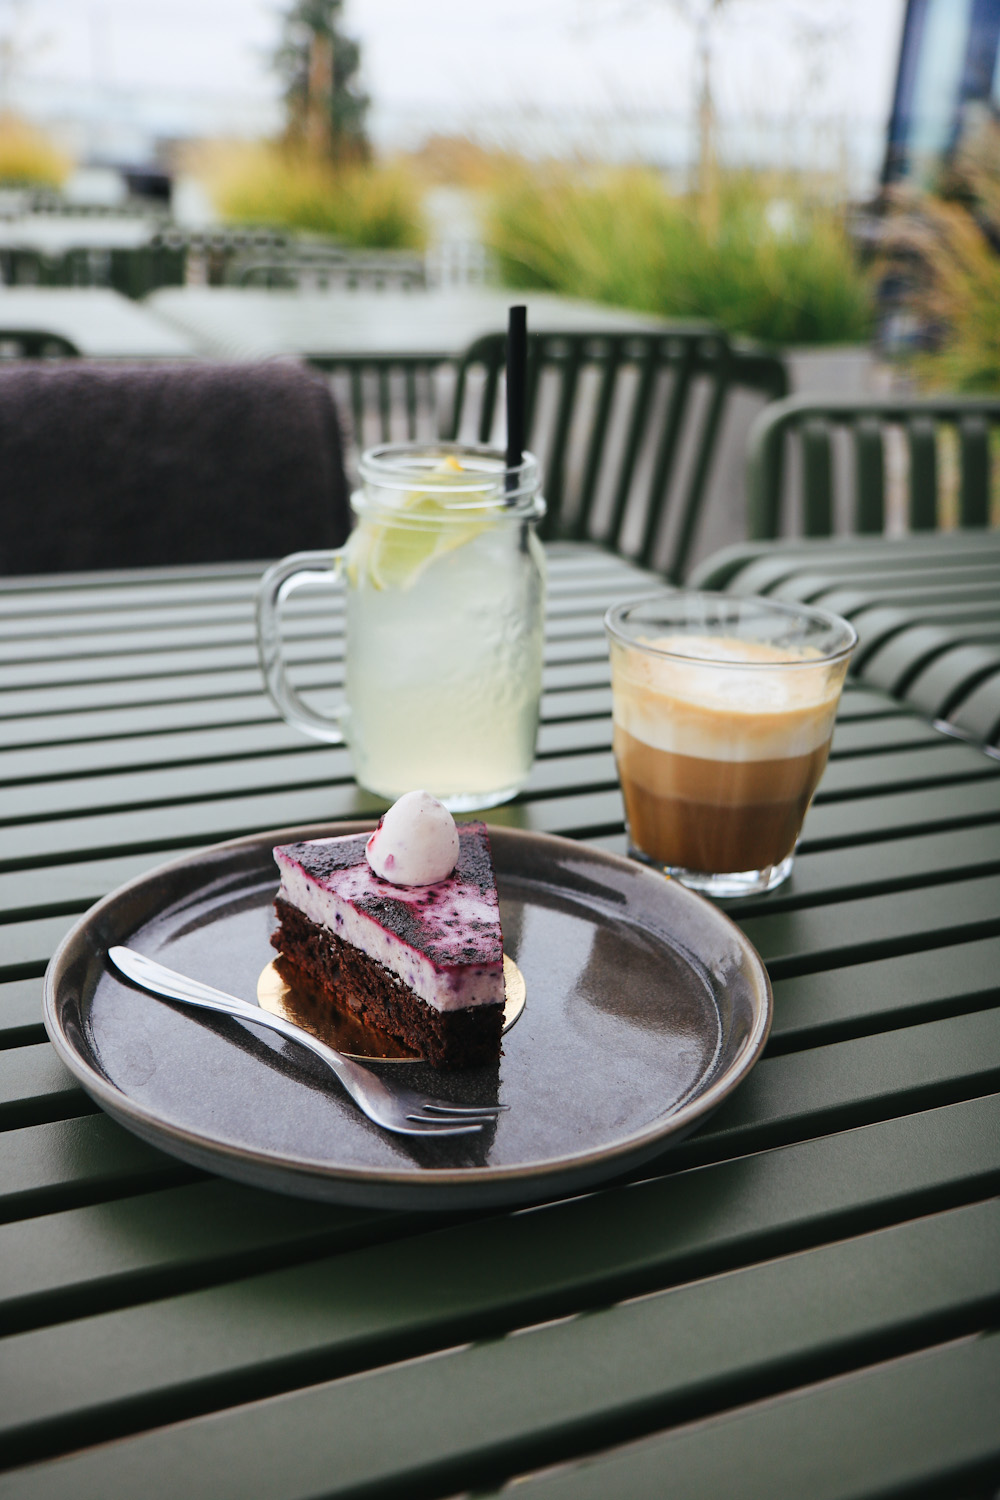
646, 1006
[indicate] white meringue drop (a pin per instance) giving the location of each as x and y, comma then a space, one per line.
416, 843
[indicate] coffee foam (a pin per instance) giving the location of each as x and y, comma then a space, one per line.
706, 701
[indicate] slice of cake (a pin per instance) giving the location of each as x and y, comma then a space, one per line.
421, 960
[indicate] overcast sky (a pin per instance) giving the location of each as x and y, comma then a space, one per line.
196, 64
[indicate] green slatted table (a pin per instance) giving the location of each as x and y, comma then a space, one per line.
800, 1300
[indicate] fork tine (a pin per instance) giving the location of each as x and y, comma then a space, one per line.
480, 1111
445, 1127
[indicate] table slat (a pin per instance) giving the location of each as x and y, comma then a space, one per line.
486, 1411
53, 1167
822, 1257
836, 1003
927, 1421
106, 1375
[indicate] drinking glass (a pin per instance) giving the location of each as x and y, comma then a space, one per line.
444, 585
723, 714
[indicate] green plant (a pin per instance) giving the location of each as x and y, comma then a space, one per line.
29, 157
950, 248
774, 265
365, 205
961, 297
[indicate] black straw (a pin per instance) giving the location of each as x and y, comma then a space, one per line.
517, 371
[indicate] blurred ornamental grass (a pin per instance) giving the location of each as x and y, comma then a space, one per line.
28, 157
947, 250
368, 205
767, 261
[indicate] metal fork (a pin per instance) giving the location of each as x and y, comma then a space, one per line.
397, 1109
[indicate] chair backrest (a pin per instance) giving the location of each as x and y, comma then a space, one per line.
137, 271
625, 425
937, 453
388, 398
333, 271
110, 465
211, 252
35, 343
134, 271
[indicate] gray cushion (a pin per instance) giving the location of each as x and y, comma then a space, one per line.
109, 466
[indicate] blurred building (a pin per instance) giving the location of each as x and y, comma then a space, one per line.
948, 77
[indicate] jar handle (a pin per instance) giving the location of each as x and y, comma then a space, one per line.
278, 584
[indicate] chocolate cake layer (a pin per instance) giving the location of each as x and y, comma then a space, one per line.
363, 987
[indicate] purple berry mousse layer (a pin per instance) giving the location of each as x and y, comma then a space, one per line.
443, 941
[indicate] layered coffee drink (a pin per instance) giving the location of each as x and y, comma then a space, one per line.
718, 768
720, 741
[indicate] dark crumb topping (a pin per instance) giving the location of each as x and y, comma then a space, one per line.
428, 922
399, 917
475, 866
475, 863
323, 859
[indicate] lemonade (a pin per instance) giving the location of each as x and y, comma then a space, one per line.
445, 591
444, 664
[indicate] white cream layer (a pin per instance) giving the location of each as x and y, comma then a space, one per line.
715, 708
442, 988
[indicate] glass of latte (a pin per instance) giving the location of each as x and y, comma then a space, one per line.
723, 714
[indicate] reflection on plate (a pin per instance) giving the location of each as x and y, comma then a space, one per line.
648, 1007
285, 992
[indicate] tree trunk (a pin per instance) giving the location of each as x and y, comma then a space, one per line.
320, 101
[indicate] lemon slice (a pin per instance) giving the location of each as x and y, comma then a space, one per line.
397, 553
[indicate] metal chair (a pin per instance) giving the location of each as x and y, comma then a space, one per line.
332, 269
926, 608
134, 271
388, 398
35, 343
934, 435
211, 252
625, 425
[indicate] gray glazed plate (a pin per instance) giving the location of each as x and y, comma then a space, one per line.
646, 1006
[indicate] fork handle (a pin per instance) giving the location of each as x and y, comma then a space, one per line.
163, 981
366, 1089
